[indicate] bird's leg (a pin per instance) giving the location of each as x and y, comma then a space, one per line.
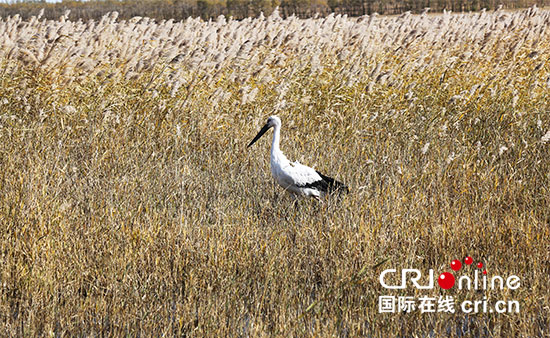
294, 200
320, 205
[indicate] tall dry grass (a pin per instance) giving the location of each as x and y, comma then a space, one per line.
129, 203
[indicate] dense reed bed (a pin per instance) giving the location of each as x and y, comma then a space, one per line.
129, 203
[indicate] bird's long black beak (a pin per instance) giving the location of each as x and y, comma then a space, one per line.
262, 131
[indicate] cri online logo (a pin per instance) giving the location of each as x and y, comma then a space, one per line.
447, 280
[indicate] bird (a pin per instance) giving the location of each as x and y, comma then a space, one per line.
298, 179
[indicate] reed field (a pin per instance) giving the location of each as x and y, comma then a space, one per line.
130, 205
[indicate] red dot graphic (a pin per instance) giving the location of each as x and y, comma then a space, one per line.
480, 265
468, 260
456, 265
484, 272
446, 280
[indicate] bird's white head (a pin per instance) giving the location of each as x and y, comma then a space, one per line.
272, 122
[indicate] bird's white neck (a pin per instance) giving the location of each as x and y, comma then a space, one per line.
277, 155
276, 138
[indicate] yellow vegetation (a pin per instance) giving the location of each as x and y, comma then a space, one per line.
129, 202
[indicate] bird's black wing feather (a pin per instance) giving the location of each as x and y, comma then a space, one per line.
334, 185
321, 185
326, 184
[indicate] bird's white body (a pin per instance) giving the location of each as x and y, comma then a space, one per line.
296, 178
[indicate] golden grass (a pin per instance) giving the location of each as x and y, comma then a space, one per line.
130, 204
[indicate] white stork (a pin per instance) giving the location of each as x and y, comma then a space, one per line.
296, 178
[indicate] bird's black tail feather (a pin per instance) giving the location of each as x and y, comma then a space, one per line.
334, 185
